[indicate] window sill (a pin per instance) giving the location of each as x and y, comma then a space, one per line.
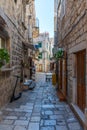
6, 69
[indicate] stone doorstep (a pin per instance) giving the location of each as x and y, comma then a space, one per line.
0, 118
79, 114
61, 96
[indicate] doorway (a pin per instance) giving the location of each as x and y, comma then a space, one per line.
64, 78
81, 75
60, 74
40, 67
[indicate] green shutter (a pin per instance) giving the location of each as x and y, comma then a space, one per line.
40, 55
40, 45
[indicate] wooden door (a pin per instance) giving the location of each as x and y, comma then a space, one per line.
64, 77
40, 67
81, 88
60, 74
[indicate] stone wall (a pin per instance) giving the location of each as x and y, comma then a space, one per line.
11, 13
73, 32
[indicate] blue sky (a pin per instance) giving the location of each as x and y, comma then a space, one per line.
45, 14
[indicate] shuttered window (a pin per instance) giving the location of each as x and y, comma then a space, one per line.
40, 45
2, 43
40, 55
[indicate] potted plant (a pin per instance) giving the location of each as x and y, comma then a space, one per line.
4, 57
59, 54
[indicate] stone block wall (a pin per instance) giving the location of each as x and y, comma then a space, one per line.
72, 35
11, 13
6, 88
14, 16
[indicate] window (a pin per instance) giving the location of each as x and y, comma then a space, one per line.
23, 14
47, 45
40, 45
40, 55
4, 55
15, 1
47, 56
59, 10
2, 43
62, 8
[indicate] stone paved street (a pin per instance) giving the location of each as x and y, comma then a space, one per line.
39, 109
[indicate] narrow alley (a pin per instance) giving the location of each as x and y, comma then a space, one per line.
43, 64
39, 109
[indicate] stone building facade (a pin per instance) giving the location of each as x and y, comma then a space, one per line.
12, 35
43, 43
55, 22
72, 68
31, 32
51, 47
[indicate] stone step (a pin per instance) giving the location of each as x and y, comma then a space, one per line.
61, 96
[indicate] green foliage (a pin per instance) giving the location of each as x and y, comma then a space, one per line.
59, 54
4, 56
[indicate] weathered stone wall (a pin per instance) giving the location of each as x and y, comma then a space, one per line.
11, 12
30, 19
73, 32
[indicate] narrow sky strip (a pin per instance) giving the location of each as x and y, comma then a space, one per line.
45, 13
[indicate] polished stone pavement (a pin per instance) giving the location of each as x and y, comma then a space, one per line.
39, 109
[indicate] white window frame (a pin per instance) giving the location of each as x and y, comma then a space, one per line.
63, 4
59, 9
